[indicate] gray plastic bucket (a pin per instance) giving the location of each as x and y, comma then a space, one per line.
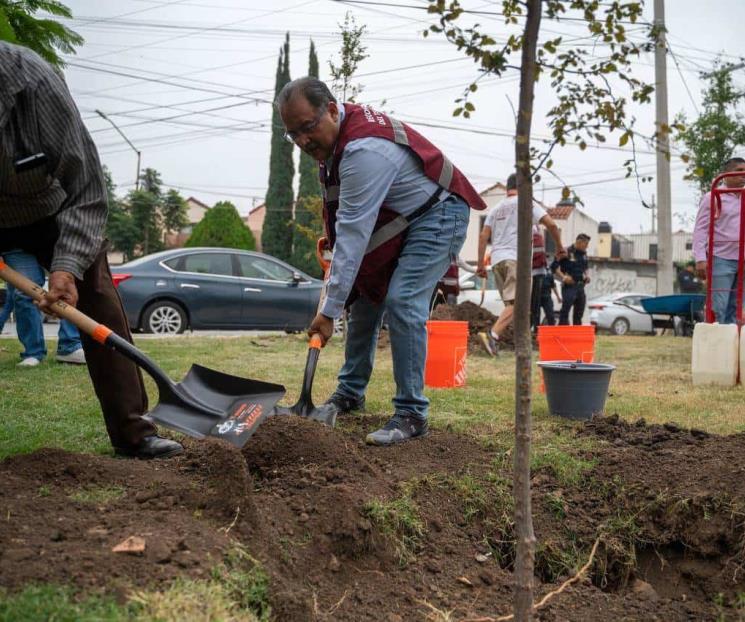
576, 390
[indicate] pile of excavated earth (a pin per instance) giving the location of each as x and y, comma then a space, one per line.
349, 532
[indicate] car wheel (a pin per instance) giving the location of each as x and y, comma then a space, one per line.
164, 318
620, 326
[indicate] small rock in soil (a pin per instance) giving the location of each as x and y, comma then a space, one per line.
644, 591
134, 545
481, 558
488, 577
465, 581
334, 564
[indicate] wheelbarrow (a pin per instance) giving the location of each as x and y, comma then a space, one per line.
682, 311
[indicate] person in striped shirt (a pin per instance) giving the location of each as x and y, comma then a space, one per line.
53, 206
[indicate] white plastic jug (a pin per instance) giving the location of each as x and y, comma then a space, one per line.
716, 354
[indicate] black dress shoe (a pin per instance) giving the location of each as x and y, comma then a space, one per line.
151, 447
338, 404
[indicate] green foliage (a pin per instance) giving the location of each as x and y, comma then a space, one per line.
276, 235
48, 38
120, 227
173, 208
718, 131
143, 207
138, 224
352, 54
308, 224
586, 107
222, 226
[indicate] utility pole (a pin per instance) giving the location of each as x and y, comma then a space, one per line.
135, 149
664, 209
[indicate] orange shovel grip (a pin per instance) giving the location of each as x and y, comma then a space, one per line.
315, 342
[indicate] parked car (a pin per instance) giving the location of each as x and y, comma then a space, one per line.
215, 288
620, 313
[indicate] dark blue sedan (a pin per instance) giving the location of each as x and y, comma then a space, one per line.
215, 288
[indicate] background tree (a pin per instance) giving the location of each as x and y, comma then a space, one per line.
120, 226
586, 109
307, 226
222, 226
48, 38
717, 132
143, 207
351, 55
173, 208
276, 235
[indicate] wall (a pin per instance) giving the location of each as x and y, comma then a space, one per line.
608, 276
255, 222
681, 241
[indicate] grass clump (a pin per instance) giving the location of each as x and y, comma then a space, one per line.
97, 495
237, 591
399, 520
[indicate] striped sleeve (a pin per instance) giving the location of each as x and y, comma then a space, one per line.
73, 161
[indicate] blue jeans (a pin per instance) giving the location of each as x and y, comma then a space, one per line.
8, 306
724, 290
29, 323
432, 242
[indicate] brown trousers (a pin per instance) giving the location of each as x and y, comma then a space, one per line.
116, 380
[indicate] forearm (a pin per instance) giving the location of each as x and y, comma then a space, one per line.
80, 239
483, 240
555, 234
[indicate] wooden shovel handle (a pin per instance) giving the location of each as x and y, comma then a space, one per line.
90, 327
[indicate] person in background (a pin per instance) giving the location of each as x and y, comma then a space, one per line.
500, 230
30, 322
572, 270
53, 205
7, 306
688, 282
726, 244
548, 290
540, 268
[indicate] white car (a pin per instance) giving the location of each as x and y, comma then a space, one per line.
471, 290
621, 313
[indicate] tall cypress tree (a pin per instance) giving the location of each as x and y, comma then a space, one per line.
276, 236
308, 224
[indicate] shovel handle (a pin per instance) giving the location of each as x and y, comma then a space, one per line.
90, 327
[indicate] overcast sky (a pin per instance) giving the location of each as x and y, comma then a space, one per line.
190, 83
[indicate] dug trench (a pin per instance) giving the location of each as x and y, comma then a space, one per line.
421, 531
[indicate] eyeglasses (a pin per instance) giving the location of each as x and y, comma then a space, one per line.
306, 128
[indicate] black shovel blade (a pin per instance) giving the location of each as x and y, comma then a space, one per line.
211, 403
304, 406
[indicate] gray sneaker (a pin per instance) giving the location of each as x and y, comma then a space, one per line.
399, 428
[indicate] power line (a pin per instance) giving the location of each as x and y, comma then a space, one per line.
682, 77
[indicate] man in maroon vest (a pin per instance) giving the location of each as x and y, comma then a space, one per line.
396, 212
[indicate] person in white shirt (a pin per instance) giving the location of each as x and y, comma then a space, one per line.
500, 229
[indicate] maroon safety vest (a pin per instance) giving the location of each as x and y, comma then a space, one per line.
539, 249
388, 236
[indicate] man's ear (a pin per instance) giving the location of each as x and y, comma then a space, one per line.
333, 110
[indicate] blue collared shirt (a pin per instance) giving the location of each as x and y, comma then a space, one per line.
372, 171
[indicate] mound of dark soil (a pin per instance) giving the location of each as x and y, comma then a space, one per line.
479, 320
349, 532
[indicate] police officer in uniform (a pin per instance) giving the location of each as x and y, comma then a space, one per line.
572, 270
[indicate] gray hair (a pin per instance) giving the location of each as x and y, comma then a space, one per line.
312, 89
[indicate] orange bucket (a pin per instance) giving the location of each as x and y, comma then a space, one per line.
447, 350
566, 343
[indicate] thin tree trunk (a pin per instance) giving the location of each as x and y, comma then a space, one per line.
525, 552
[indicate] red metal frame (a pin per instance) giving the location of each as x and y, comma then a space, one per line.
716, 210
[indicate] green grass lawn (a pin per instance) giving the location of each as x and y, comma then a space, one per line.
54, 405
